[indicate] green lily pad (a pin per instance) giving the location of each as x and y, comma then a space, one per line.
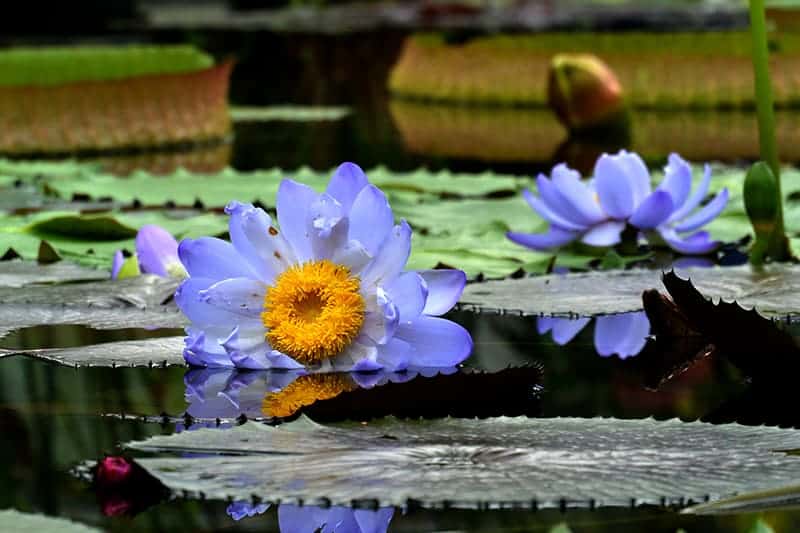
92, 239
467, 462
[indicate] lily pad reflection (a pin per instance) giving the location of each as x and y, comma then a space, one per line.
622, 334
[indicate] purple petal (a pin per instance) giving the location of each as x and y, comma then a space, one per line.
444, 289
395, 355
258, 241
381, 323
391, 258
408, 292
198, 310
624, 334
435, 341
208, 257
615, 188
326, 226
239, 510
346, 183
202, 348
373, 521
293, 201
605, 234
247, 348
565, 329
116, 264
655, 209
705, 215
554, 238
238, 296
696, 244
539, 206
696, 198
156, 249
579, 198
562, 205
371, 218
677, 180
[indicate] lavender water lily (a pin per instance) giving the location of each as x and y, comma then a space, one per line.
327, 290
619, 196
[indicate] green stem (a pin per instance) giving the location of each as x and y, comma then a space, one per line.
779, 246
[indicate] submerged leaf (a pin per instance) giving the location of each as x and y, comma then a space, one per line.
552, 462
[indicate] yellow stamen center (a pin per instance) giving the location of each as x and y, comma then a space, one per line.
304, 391
313, 311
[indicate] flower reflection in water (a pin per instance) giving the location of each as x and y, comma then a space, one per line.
623, 334
305, 519
219, 393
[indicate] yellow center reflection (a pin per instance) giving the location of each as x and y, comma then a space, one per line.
304, 391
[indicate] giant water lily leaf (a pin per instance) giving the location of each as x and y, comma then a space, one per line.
148, 352
13, 521
132, 302
470, 462
772, 290
20, 273
93, 239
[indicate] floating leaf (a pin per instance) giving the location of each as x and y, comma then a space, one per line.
553, 462
17, 522
771, 290
93, 239
132, 302
149, 352
17, 273
69, 64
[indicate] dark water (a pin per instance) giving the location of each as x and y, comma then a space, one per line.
55, 417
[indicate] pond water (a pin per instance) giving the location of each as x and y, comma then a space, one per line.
57, 417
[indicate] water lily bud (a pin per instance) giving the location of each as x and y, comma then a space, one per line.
112, 471
583, 91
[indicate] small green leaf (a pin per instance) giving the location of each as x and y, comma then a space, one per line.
130, 268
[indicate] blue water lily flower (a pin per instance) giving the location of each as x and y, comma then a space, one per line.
328, 290
623, 334
239, 510
597, 211
156, 253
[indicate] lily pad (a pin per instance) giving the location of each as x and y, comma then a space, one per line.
466, 463
93, 239
132, 302
14, 521
161, 351
20, 273
772, 291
